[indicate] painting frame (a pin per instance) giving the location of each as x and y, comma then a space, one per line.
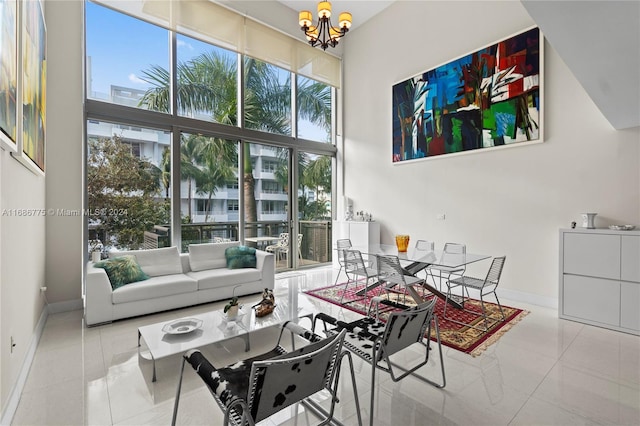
9, 75
32, 96
487, 99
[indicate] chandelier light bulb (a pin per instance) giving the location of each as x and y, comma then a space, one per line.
305, 18
345, 20
324, 9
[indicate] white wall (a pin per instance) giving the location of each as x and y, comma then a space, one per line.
22, 266
508, 201
65, 177
25, 240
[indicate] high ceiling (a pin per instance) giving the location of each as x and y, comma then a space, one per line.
362, 11
598, 40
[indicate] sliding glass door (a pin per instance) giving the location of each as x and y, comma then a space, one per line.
314, 208
266, 200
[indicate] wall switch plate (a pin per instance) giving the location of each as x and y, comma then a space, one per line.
441, 216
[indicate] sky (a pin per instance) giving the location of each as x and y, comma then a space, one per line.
121, 47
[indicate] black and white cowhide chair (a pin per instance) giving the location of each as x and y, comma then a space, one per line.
253, 389
375, 341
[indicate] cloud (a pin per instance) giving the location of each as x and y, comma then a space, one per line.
135, 79
182, 43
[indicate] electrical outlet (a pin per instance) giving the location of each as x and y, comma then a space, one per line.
441, 216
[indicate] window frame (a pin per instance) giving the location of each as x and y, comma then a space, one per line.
176, 124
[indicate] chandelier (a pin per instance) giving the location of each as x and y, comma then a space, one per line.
324, 34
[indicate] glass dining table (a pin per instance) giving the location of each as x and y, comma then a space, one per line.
426, 258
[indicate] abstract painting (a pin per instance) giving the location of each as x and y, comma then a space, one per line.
34, 76
8, 72
488, 98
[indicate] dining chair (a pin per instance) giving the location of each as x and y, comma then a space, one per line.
280, 245
377, 342
394, 280
252, 390
356, 269
415, 267
341, 245
285, 249
446, 272
485, 286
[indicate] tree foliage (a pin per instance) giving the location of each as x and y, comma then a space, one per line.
317, 176
124, 193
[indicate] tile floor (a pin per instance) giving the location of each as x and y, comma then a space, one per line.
544, 371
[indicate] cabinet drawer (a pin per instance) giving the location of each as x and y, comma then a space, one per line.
630, 306
630, 258
596, 255
594, 299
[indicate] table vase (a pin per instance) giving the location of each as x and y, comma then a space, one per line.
402, 241
588, 220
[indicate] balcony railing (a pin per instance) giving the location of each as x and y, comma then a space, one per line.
315, 247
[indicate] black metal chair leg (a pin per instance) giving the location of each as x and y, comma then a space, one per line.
177, 401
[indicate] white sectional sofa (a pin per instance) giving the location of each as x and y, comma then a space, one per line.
175, 280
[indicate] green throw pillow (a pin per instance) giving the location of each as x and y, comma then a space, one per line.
240, 257
122, 270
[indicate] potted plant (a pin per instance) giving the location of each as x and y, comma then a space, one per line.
231, 308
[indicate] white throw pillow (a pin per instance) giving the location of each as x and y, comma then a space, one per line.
209, 256
156, 262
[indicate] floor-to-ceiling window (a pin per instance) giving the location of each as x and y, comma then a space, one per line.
125, 160
208, 196
212, 133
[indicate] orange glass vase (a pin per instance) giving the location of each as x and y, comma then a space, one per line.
402, 241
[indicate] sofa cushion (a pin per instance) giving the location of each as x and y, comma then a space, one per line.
165, 285
209, 256
122, 270
223, 277
240, 257
155, 262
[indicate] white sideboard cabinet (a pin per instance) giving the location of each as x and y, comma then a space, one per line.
600, 278
360, 233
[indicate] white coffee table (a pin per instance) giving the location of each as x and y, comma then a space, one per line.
216, 328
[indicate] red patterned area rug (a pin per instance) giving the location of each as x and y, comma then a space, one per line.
457, 336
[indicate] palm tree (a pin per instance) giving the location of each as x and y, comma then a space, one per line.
317, 175
189, 158
282, 172
207, 84
219, 157
314, 103
165, 171
267, 106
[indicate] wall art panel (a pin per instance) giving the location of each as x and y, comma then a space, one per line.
8, 73
488, 98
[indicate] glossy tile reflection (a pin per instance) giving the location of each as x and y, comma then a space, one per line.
543, 371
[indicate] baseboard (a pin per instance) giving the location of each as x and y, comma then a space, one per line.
16, 391
66, 306
534, 299
519, 296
